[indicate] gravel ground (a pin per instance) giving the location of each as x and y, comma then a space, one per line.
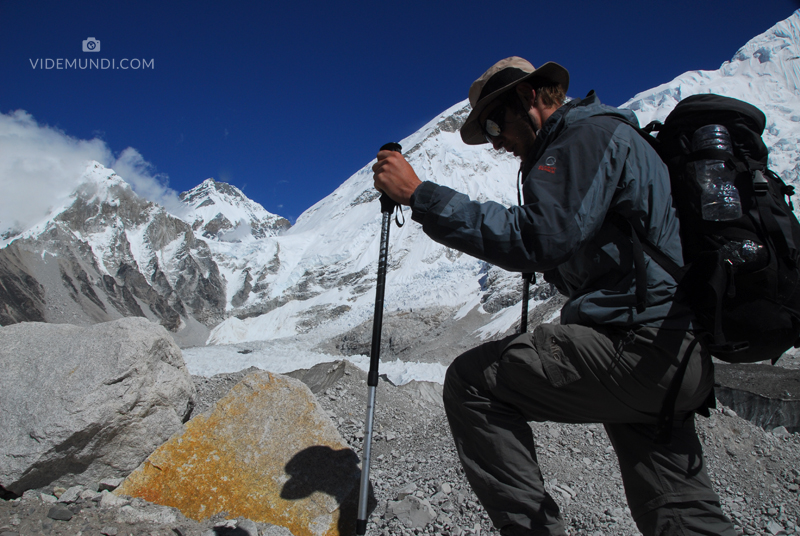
92, 513
419, 485
755, 472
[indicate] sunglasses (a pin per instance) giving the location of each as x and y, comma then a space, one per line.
495, 121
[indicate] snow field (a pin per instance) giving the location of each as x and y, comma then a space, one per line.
284, 356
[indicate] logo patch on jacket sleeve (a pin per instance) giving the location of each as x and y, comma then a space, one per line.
550, 165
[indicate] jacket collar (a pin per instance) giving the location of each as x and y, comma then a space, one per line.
552, 127
559, 120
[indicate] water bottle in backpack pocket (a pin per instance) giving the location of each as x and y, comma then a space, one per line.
719, 199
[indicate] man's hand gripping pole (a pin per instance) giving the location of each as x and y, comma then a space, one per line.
387, 207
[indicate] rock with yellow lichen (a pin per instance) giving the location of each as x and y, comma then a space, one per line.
267, 452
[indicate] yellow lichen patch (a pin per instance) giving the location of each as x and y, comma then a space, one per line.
266, 452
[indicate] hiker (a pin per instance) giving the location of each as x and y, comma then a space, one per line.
615, 351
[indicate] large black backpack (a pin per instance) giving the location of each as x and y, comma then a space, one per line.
742, 276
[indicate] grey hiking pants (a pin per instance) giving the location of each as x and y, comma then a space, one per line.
576, 374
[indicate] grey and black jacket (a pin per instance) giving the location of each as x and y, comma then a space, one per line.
588, 162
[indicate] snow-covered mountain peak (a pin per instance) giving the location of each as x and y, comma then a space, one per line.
774, 53
103, 199
219, 210
87, 208
99, 185
99, 174
209, 189
322, 272
104, 252
764, 72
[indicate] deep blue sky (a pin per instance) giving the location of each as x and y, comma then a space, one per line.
287, 99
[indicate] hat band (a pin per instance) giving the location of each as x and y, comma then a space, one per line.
502, 79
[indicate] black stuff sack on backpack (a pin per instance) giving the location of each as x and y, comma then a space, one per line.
741, 276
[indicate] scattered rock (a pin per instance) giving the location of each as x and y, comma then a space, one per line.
412, 511
780, 431
405, 491
248, 527
109, 500
430, 392
150, 513
60, 513
756, 473
775, 528
90, 495
320, 377
71, 495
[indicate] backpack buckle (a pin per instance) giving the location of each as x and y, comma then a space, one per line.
760, 183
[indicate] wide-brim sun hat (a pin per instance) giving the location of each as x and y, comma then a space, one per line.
501, 77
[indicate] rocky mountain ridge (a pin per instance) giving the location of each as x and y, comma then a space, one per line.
107, 254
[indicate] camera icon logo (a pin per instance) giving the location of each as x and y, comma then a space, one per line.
90, 44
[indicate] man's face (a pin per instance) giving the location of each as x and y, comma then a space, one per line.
516, 133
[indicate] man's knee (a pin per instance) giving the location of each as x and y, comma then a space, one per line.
455, 383
469, 372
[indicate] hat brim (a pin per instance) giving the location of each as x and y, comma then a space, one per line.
471, 131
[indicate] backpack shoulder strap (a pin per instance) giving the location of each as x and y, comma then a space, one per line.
643, 245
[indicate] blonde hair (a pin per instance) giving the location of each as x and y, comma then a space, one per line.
552, 96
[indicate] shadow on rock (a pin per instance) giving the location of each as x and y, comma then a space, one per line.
333, 472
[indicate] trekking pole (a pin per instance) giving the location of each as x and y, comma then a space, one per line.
387, 207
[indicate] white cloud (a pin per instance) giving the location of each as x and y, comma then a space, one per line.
138, 172
41, 165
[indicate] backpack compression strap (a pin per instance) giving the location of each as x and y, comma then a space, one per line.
641, 244
783, 243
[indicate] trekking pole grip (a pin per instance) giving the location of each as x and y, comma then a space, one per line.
387, 203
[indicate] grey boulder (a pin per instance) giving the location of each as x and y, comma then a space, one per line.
81, 404
412, 511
